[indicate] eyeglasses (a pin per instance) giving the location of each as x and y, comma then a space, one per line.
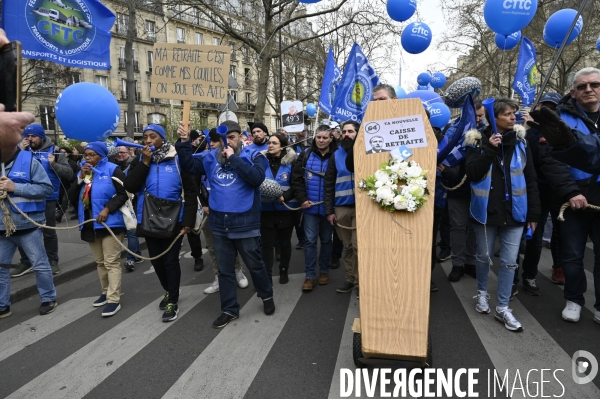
583, 87
90, 155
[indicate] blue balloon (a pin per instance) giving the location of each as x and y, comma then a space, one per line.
87, 112
308, 1
439, 115
427, 97
438, 80
508, 42
508, 16
311, 110
424, 78
598, 43
400, 92
416, 37
401, 10
558, 25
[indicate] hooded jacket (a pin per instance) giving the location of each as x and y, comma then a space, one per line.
481, 155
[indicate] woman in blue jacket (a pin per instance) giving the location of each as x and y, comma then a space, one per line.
277, 221
100, 198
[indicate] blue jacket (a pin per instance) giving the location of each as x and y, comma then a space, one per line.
103, 190
308, 179
37, 188
230, 210
162, 181
583, 154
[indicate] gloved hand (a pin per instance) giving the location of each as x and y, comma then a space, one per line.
556, 132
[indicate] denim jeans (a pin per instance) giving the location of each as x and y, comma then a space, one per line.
34, 249
574, 232
317, 226
133, 244
250, 251
50, 237
510, 238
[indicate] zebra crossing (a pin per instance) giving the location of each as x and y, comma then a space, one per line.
297, 353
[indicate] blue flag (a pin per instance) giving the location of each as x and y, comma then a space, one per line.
453, 152
74, 33
355, 90
527, 76
329, 85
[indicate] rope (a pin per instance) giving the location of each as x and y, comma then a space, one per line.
299, 208
464, 179
345, 227
567, 204
4, 195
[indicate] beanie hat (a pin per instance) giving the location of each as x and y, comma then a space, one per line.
99, 147
232, 126
194, 135
158, 129
214, 136
261, 126
36, 129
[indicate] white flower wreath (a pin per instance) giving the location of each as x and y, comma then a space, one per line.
397, 186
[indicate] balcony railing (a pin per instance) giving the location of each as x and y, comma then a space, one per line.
123, 64
155, 100
151, 36
124, 96
136, 129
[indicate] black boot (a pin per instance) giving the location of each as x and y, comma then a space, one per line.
283, 276
456, 273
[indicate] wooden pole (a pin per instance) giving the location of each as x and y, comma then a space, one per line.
186, 112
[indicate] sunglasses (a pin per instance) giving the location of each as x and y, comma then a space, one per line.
583, 87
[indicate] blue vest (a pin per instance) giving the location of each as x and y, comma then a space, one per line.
102, 191
344, 181
228, 191
21, 173
42, 156
163, 181
284, 176
315, 184
480, 190
577, 124
258, 148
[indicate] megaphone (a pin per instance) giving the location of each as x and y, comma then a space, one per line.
119, 143
222, 130
488, 104
206, 132
245, 133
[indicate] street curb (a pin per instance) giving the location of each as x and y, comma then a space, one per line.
62, 277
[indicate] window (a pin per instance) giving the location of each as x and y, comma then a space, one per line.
46, 112
248, 98
43, 77
247, 75
245, 54
74, 77
150, 60
234, 95
136, 125
122, 21
124, 92
122, 52
180, 35
150, 31
232, 45
193, 16
232, 71
216, 41
199, 38
102, 81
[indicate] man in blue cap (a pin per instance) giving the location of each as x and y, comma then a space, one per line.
57, 167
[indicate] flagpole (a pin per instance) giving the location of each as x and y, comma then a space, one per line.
558, 53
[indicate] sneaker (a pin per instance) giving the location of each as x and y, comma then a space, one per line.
130, 265
335, 263
214, 287
513, 292
163, 303
531, 287
504, 315
47, 307
198, 264
445, 254
300, 245
139, 260
309, 284
269, 306
596, 316
470, 270
558, 276
346, 287
6, 312
432, 287
111, 309
323, 278
223, 320
21, 270
241, 279
481, 304
171, 311
101, 301
456, 273
283, 277
55, 268
571, 312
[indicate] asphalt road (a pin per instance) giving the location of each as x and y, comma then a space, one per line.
300, 352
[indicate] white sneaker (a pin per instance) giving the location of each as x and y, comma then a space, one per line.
214, 287
241, 279
481, 302
572, 311
597, 316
